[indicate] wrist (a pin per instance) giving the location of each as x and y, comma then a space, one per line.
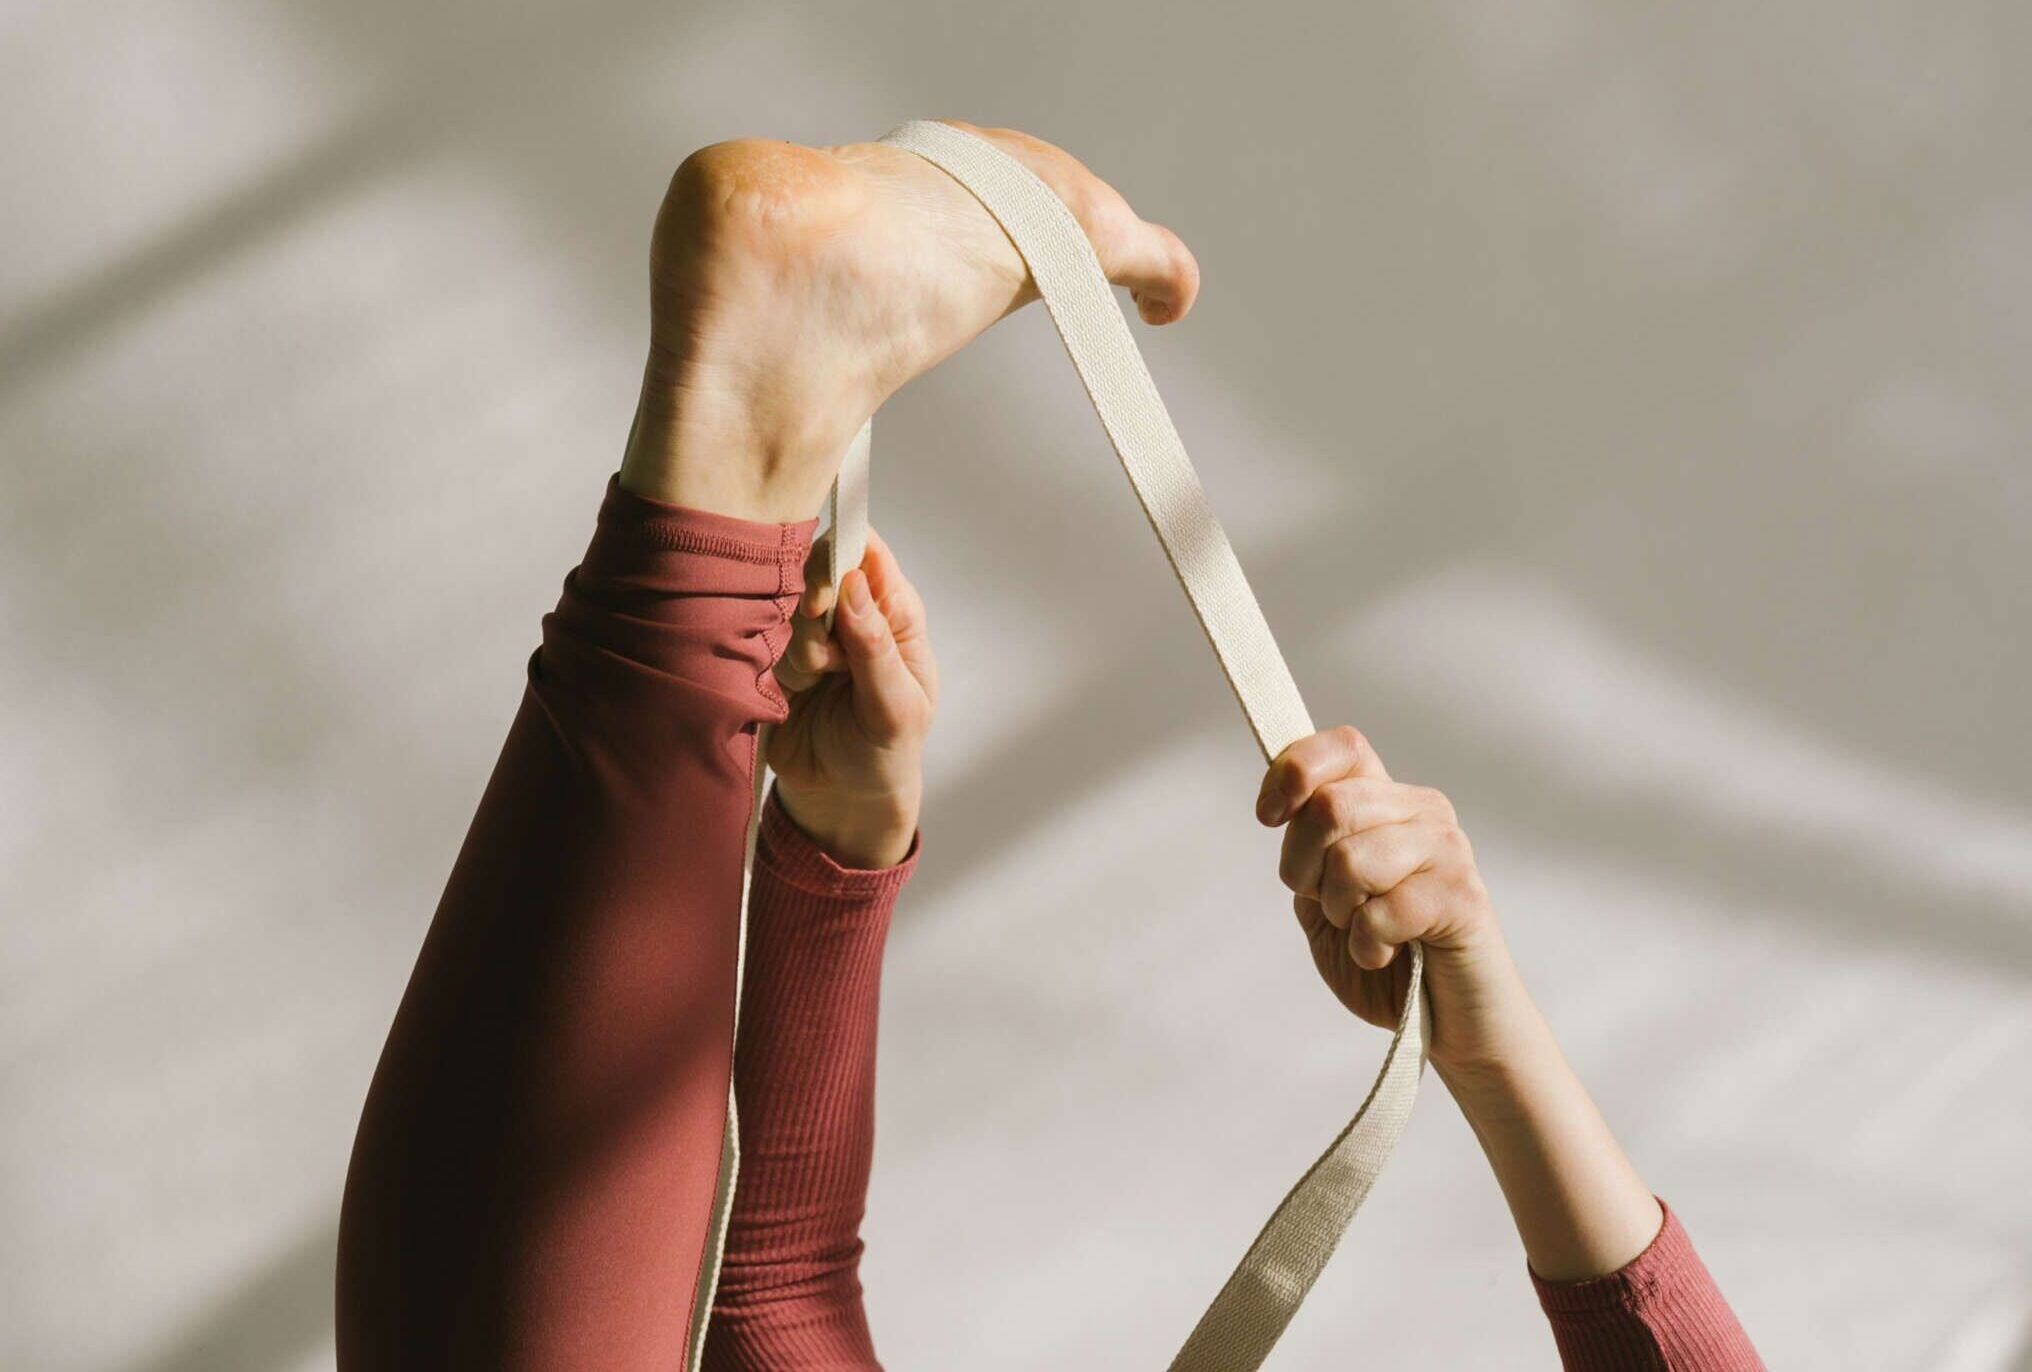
860, 833
1487, 1031
1499, 1082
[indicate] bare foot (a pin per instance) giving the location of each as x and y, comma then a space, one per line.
793, 289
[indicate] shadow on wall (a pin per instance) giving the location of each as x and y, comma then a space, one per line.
276, 1319
1729, 364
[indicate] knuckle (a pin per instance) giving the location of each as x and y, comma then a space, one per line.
1454, 844
1305, 787
1373, 797
1340, 807
1316, 814
1428, 901
1468, 888
1343, 871
1336, 865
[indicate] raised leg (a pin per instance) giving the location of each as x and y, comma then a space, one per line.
533, 1181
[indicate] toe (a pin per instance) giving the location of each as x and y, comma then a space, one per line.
1160, 271
1149, 259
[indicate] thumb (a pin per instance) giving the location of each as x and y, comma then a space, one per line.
886, 695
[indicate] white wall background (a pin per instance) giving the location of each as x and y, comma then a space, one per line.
1622, 411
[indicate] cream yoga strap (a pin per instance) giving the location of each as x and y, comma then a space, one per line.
1242, 1325
1251, 1311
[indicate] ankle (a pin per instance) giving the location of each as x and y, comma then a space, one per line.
767, 457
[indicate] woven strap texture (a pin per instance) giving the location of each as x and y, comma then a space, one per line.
1244, 1322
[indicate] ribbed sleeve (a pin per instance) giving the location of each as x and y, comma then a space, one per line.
804, 1073
1661, 1311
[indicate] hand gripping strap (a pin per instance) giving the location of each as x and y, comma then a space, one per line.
1246, 1318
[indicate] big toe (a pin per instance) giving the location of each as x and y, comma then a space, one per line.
1160, 271
1149, 259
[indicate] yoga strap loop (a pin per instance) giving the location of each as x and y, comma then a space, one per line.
1251, 1311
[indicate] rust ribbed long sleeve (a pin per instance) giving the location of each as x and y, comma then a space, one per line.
790, 1291
1659, 1313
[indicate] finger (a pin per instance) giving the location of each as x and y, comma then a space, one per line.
1383, 924
816, 601
819, 591
904, 609
893, 591
1373, 863
814, 649
1368, 951
1310, 917
887, 698
1333, 812
1309, 764
1322, 937
1416, 909
813, 654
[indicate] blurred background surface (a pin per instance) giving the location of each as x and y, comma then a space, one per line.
1622, 412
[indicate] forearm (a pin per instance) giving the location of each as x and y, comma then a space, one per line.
1616, 1274
1579, 1206
790, 1293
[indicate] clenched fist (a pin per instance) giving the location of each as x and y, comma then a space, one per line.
1377, 864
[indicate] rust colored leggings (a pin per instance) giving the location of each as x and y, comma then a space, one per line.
533, 1179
